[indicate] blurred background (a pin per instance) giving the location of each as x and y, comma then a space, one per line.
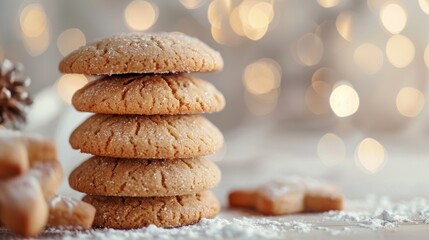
334, 89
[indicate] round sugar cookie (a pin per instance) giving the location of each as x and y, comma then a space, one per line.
148, 95
151, 136
137, 212
160, 52
144, 178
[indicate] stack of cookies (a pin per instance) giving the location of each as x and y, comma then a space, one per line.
147, 141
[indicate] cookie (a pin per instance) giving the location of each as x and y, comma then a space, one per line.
70, 213
156, 136
137, 212
144, 178
143, 53
290, 195
148, 95
321, 197
23, 208
18, 151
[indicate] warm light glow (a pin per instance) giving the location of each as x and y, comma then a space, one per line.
331, 150
255, 17
393, 17
322, 88
323, 74
400, 51
344, 23
328, 3
192, 4
424, 5
344, 100
261, 104
35, 29
33, 20
426, 56
70, 40
410, 101
140, 15
218, 35
216, 10
68, 84
369, 58
235, 22
316, 103
262, 76
309, 49
370, 155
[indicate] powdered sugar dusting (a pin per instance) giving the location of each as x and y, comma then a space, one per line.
69, 202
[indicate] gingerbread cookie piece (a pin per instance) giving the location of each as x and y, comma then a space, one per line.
148, 95
165, 136
69, 212
321, 197
143, 53
273, 198
291, 195
137, 212
18, 151
23, 207
144, 178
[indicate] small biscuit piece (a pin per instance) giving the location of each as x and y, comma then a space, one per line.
23, 208
155, 136
144, 178
273, 198
137, 212
148, 95
17, 151
69, 212
13, 158
290, 195
243, 198
320, 197
49, 176
143, 53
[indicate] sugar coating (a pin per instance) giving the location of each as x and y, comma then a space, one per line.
143, 177
143, 53
136, 212
156, 136
70, 203
149, 95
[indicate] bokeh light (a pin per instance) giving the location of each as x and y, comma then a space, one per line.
410, 101
400, 51
309, 49
370, 155
394, 17
426, 56
369, 58
33, 20
328, 3
424, 5
344, 100
140, 15
344, 24
192, 4
70, 40
261, 104
255, 17
68, 84
331, 150
315, 102
262, 76
35, 29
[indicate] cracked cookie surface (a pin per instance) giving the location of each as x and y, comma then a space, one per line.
154, 136
148, 95
143, 177
160, 52
137, 212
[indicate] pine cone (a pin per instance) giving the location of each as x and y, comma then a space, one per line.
14, 97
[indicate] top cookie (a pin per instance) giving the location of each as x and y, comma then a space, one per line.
143, 53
